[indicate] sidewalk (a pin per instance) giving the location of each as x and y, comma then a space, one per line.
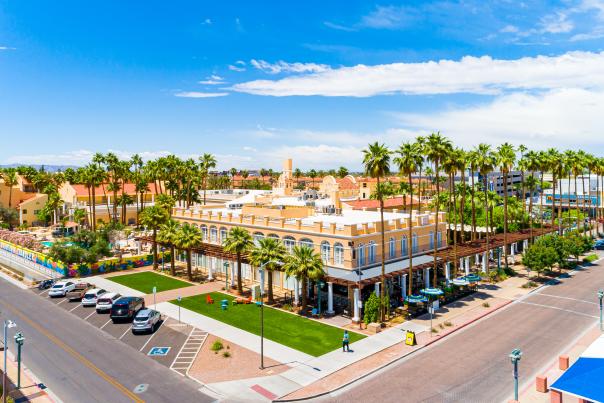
30, 390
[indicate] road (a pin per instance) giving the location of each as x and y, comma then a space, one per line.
78, 362
472, 365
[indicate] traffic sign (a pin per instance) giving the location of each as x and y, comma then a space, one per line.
159, 351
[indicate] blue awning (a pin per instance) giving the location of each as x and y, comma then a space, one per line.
583, 379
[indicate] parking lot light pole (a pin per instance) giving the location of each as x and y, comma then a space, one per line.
19, 339
7, 325
515, 356
600, 296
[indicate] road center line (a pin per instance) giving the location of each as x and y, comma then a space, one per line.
559, 309
568, 298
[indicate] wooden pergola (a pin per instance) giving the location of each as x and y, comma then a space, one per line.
203, 248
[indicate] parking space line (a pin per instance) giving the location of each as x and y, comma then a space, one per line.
63, 300
127, 330
154, 333
92, 313
106, 324
74, 308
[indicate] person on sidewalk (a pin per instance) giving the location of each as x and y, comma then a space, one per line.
345, 341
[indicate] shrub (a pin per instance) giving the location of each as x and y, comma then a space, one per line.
486, 304
226, 354
434, 330
287, 307
529, 284
372, 309
448, 323
217, 346
590, 258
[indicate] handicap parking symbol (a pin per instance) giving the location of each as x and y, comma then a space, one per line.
159, 351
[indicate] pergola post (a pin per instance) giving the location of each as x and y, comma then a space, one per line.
356, 318
485, 261
376, 288
448, 271
427, 277
467, 265
403, 286
330, 310
211, 270
296, 292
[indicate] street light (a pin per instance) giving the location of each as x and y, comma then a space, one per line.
7, 325
261, 270
19, 339
515, 356
226, 276
600, 296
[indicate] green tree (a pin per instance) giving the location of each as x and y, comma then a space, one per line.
269, 253
342, 172
376, 159
485, 161
304, 264
168, 234
187, 238
153, 217
206, 163
506, 157
238, 241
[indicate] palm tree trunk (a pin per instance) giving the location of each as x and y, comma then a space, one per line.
239, 285
189, 273
155, 249
271, 299
486, 221
541, 201
505, 218
462, 205
455, 262
383, 247
473, 201
304, 293
172, 258
435, 274
410, 240
577, 203
93, 208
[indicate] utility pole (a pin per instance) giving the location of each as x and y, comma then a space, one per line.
19, 339
515, 356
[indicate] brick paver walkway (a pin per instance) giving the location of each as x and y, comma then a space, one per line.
165, 296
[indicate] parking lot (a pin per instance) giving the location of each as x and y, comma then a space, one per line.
169, 345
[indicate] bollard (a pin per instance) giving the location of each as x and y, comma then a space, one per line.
541, 383
555, 396
563, 362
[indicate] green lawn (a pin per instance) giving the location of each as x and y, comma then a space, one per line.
294, 331
145, 281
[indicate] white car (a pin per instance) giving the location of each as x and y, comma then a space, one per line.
61, 288
91, 297
105, 301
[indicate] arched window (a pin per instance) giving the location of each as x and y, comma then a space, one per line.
213, 234
361, 255
257, 237
204, 232
414, 244
274, 236
306, 242
338, 253
371, 251
325, 251
431, 239
404, 246
289, 243
392, 248
223, 234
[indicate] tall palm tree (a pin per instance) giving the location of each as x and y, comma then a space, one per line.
533, 164
233, 172
342, 172
506, 157
557, 168
449, 165
153, 217
206, 163
408, 160
436, 150
304, 264
472, 157
312, 174
270, 253
168, 234
576, 167
238, 241
462, 165
186, 239
376, 159
10, 179
531, 186
485, 161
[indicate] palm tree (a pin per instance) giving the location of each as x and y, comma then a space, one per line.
304, 264
186, 239
168, 234
531, 186
462, 165
233, 172
437, 148
244, 174
312, 174
377, 165
408, 160
485, 161
472, 158
576, 168
506, 157
557, 169
268, 253
206, 162
10, 179
238, 241
342, 172
153, 217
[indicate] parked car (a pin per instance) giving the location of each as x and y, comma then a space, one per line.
105, 301
61, 288
146, 320
91, 296
126, 308
79, 291
45, 284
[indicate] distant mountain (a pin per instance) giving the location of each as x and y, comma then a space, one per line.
48, 168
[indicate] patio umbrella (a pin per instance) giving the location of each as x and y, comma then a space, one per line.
472, 278
415, 299
432, 291
461, 281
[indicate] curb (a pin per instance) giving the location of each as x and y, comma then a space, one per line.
299, 399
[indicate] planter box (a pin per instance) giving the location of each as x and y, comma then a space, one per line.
374, 327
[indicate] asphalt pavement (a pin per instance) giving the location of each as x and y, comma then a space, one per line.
80, 362
472, 365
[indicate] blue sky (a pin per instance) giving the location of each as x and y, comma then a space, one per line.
255, 82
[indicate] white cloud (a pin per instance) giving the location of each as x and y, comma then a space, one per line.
480, 75
509, 29
567, 117
390, 17
239, 65
338, 27
212, 80
556, 23
597, 33
319, 156
6, 48
284, 67
207, 21
198, 94
78, 157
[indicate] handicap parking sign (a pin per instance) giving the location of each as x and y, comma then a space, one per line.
158, 351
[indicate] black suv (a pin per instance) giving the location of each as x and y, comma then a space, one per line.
126, 308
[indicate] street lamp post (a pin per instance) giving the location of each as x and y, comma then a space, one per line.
7, 325
600, 296
515, 356
226, 276
19, 339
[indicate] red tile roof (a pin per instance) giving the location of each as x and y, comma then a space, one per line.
346, 183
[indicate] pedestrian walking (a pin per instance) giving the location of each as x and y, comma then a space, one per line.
345, 341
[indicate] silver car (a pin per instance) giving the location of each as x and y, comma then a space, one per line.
146, 320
